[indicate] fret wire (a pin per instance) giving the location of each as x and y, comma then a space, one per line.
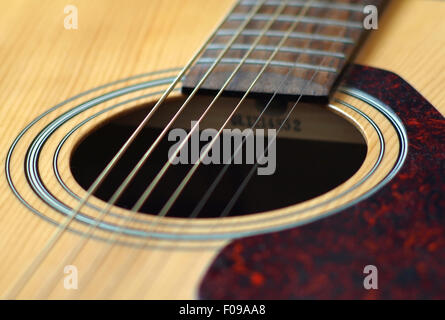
308, 19
340, 55
295, 35
273, 63
321, 5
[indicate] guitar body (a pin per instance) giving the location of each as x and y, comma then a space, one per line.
58, 85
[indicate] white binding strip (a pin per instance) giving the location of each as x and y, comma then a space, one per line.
272, 63
317, 4
305, 19
295, 35
217, 46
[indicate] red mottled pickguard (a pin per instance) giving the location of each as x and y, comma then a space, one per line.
400, 229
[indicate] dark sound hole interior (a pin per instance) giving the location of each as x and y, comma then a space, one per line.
316, 151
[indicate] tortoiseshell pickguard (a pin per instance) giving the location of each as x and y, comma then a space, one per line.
400, 229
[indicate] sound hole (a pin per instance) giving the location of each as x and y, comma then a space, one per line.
316, 151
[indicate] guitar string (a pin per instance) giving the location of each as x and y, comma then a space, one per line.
124, 267
18, 286
74, 253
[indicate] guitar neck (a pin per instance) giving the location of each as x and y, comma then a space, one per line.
298, 47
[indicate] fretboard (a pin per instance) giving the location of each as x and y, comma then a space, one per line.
303, 50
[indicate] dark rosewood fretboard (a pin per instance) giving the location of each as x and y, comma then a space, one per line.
322, 41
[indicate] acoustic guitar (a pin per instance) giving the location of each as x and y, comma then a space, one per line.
207, 149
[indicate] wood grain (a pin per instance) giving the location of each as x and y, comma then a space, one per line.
43, 64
